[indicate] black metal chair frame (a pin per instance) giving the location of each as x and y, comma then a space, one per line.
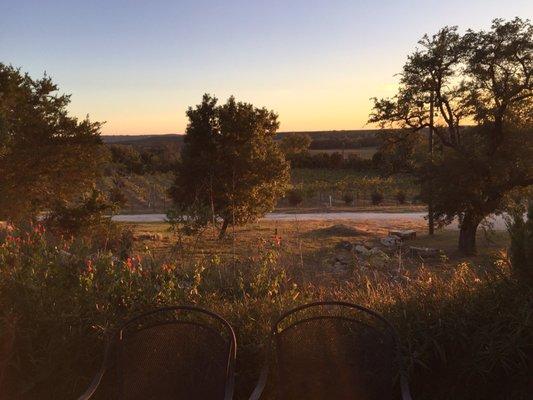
263, 378
116, 336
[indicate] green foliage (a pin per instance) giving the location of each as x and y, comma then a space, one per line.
230, 162
341, 181
44, 153
333, 160
138, 159
81, 217
400, 197
126, 158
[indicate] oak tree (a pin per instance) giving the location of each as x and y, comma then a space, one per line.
478, 89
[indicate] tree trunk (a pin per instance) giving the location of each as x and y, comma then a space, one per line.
467, 235
223, 229
431, 218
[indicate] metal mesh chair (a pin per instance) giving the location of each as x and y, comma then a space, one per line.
171, 353
334, 350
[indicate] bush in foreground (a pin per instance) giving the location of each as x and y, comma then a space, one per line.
467, 332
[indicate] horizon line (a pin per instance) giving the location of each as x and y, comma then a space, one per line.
290, 131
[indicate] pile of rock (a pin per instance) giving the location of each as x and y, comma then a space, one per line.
375, 253
403, 234
396, 238
424, 252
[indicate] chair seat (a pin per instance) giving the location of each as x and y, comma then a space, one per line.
173, 361
328, 358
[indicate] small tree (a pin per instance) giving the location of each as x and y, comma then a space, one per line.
376, 197
230, 163
348, 198
295, 197
400, 197
85, 215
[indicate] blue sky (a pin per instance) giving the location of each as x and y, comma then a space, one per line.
139, 64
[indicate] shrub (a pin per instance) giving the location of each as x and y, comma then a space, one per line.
376, 197
521, 248
80, 218
466, 331
417, 199
400, 197
295, 197
348, 198
59, 303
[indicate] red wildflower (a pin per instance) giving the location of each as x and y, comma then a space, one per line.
89, 265
129, 263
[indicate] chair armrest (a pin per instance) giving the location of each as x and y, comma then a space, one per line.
404, 386
93, 386
101, 372
261, 383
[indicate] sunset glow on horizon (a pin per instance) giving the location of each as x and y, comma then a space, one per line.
138, 65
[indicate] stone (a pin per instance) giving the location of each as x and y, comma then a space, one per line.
343, 258
360, 249
391, 241
339, 268
424, 251
403, 234
377, 252
345, 245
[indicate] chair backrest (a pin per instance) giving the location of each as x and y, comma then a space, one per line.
335, 350
173, 353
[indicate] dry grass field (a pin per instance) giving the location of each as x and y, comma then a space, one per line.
315, 244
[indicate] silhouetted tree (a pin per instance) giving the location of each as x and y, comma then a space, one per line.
482, 78
230, 162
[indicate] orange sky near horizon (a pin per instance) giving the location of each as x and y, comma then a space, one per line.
138, 65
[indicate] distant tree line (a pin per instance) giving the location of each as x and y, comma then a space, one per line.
334, 160
332, 140
129, 159
346, 142
296, 147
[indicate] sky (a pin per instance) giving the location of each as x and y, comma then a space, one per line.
138, 65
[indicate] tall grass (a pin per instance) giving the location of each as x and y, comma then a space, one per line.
466, 330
